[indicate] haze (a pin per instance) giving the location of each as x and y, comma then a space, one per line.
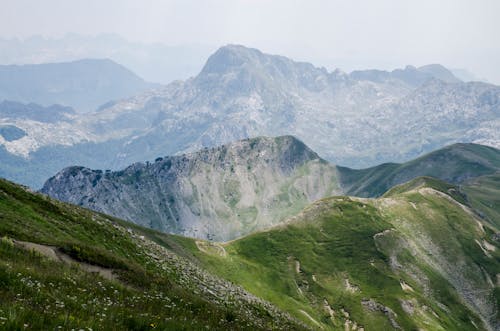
336, 34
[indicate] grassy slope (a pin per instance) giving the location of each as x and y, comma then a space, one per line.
417, 236
431, 182
483, 194
454, 164
154, 289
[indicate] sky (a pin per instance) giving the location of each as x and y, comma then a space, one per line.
349, 34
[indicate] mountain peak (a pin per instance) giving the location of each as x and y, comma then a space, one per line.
440, 72
230, 56
218, 193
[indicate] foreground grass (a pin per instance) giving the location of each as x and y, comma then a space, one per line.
148, 290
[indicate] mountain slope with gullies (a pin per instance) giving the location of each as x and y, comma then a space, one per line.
65, 267
218, 194
356, 120
414, 259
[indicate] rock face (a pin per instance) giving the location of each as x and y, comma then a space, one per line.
356, 120
218, 193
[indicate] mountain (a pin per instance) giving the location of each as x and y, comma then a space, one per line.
64, 267
84, 84
413, 259
155, 62
243, 93
354, 121
440, 72
466, 76
232, 190
483, 194
219, 193
454, 164
11, 110
410, 75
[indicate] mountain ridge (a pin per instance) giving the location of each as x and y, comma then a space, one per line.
228, 191
313, 262
218, 194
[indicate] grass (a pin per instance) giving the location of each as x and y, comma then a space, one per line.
339, 255
483, 194
430, 182
339, 240
453, 164
149, 293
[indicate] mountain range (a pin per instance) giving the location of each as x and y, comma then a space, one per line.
356, 120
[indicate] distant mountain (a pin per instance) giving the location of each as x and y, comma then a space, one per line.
218, 193
83, 85
410, 75
11, 110
155, 62
439, 72
232, 190
354, 120
467, 76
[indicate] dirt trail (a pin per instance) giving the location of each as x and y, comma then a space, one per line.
312, 319
54, 254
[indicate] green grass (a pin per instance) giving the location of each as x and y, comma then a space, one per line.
439, 185
38, 293
347, 252
333, 240
453, 164
483, 194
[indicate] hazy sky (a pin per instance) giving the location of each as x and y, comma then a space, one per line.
348, 34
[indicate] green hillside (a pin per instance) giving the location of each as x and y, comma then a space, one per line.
454, 164
414, 259
483, 194
64, 267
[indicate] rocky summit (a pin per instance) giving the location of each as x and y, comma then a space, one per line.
219, 193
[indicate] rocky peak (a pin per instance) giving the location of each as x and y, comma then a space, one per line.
229, 57
440, 72
218, 193
239, 68
410, 75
